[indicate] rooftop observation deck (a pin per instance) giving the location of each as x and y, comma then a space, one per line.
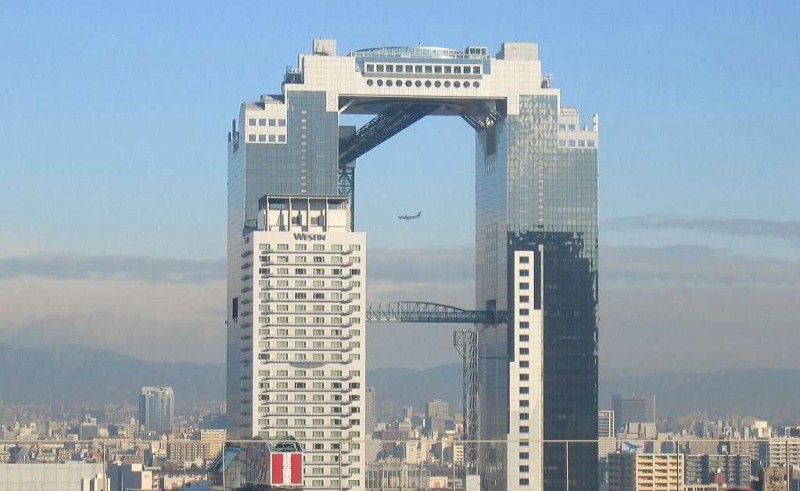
424, 52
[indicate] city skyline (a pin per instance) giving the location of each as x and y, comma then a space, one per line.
678, 227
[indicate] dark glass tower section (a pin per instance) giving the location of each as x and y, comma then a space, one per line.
537, 191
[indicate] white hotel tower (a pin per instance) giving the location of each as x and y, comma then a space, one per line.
302, 335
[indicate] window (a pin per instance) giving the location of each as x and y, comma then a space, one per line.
524, 286
272, 122
524, 364
524, 456
524, 338
281, 122
524, 325
524, 429
281, 138
524, 390
523, 351
524, 312
251, 122
524, 272
299, 296
251, 138
262, 122
524, 298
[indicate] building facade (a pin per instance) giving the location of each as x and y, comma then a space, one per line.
536, 228
732, 470
645, 472
302, 335
370, 416
630, 408
66, 476
157, 409
437, 412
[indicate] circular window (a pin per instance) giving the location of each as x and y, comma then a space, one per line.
456, 84
380, 83
427, 83
437, 84
466, 85
399, 83
370, 82
476, 84
408, 83
447, 84
389, 83
418, 83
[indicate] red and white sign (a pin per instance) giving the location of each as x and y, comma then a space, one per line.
286, 469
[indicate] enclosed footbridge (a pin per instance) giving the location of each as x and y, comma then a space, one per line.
428, 312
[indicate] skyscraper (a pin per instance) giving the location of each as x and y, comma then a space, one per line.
606, 432
436, 413
630, 408
605, 424
536, 229
157, 409
300, 318
370, 415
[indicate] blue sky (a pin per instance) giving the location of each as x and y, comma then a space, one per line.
113, 119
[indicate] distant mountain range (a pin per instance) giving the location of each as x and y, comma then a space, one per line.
76, 375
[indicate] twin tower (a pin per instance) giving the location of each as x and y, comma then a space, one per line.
291, 170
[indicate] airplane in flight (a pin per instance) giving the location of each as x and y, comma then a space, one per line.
410, 217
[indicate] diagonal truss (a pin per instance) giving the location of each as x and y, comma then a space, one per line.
382, 127
485, 117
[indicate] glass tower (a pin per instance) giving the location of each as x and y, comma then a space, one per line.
536, 185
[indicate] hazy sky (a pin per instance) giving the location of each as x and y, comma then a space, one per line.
113, 122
